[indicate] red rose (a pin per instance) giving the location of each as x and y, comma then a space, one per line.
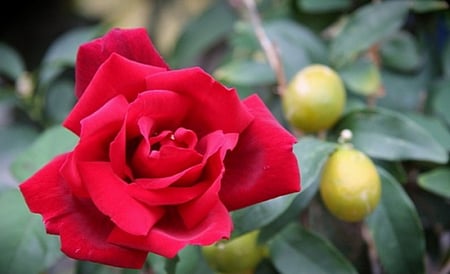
163, 156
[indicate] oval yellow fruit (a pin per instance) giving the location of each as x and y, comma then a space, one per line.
236, 256
314, 99
350, 185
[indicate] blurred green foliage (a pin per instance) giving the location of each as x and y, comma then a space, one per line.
394, 59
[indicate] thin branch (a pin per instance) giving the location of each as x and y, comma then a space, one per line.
374, 55
446, 268
267, 45
371, 249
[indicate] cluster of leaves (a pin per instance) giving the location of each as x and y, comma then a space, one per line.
398, 49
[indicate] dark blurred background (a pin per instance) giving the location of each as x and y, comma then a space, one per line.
30, 26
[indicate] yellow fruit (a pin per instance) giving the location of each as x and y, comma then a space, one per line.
314, 99
350, 185
236, 256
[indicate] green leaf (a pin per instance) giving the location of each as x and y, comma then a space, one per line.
436, 181
300, 202
192, 261
297, 45
11, 63
157, 263
25, 247
367, 26
361, 77
315, 6
52, 142
311, 155
408, 87
60, 99
389, 135
243, 41
440, 98
288, 35
62, 52
434, 126
7, 94
265, 267
400, 52
64, 49
13, 140
246, 73
353, 104
256, 216
433, 209
296, 250
396, 229
171, 265
421, 6
395, 168
201, 33
85, 267
445, 59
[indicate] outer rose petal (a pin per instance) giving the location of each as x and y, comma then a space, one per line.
168, 238
97, 131
116, 76
109, 194
83, 229
45, 192
133, 44
262, 166
224, 111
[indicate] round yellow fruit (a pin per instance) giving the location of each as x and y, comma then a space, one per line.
350, 185
314, 99
236, 256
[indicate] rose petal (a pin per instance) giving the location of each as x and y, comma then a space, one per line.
166, 196
69, 171
97, 131
185, 178
82, 228
118, 155
262, 166
166, 110
167, 161
133, 44
217, 141
168, 237
185, 138
214, 146
108, 117
116, 76
196, 210
109, 194
207, 96
84, 235
46, 193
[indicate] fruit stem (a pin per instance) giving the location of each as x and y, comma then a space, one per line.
269, 48
322, 135
345, 137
